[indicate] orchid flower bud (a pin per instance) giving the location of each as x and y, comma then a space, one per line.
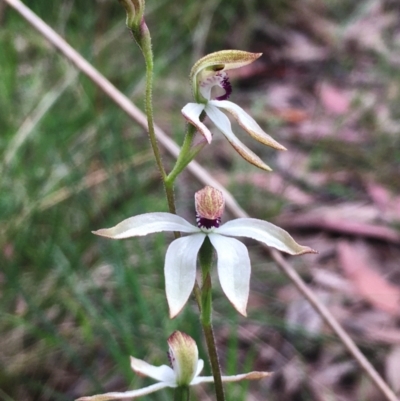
134, 13
184, 357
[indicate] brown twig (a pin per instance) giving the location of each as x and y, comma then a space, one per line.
203, 176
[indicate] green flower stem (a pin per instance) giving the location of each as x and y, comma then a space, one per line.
213, 355
185, 155
206, 253
184, 158
143, 39
169, 191
182, 393
205, 258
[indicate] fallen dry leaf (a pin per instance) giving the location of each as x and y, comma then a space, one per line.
319, 127
334, 100
349, 219
292, 115
369, 28
290, 103
382, 335
277, 185
331, 280
387, 202
301, 48
300, 314
294, 375
367, 282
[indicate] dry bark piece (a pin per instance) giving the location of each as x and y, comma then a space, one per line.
367, 281
335, 100
313, 220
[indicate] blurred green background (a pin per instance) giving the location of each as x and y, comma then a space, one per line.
74, 306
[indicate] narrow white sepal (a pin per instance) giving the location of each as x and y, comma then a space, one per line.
221, 121
192, 112
224, 125
200, 366
161, 373
233, 270
264, 232
126, 394
147, 223
247, 123
235, 378
180, 270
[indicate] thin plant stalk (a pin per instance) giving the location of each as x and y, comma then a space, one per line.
186, 154
182, 393
144, 43
206, 259
184, 158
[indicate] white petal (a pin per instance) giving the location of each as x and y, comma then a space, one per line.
265, 232
224, 125
202, 379
147, 223
180, 270
192, 113
248, 123
235, 378
161, 373
200, 366
233, 270
126, 394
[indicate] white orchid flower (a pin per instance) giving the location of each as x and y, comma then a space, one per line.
186, 367
181, 258
208, 72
